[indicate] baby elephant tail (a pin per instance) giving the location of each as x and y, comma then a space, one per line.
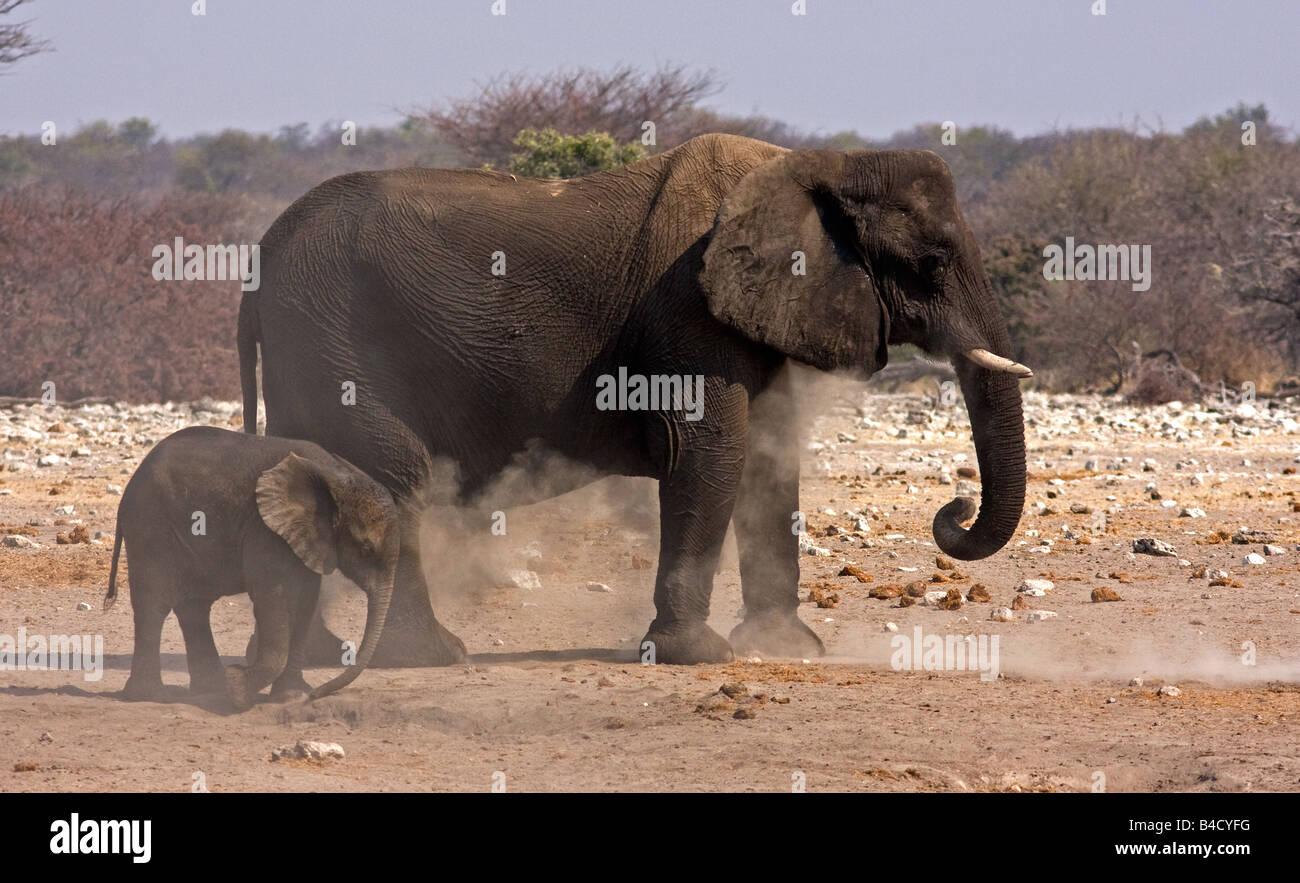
112, 571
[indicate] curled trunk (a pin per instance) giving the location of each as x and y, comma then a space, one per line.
997, 425
376, 613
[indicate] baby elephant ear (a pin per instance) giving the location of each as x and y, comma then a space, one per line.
782, 268
294, 500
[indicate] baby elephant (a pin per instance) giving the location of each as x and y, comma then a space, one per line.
211, 513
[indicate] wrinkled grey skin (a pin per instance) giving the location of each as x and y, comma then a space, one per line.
277, 515
678, 265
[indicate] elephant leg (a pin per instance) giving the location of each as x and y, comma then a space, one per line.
412, 635
148, 587
271, 610
303, 611
768, 547
206, 672
695, 504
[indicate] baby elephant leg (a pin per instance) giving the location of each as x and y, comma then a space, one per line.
271, 609
303, 610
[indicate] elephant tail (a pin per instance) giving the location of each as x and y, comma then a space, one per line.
112, 571
248, 341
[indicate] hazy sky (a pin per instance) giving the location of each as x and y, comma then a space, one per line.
876, 66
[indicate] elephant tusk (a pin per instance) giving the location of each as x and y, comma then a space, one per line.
986, 359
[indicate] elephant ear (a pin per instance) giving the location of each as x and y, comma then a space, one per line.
783, 268
294, 500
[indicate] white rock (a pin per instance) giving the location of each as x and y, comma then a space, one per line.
1135, 682
933, 598
1150, 546
1039, 615
1191, 513
115, 490
599, 587
1002, 614
67, 509
1036, 587
17, 541
1274, 550
1169, 690
524, 579
891, 626
807, 548
1253, 558
307, 750
82, 605
49, 460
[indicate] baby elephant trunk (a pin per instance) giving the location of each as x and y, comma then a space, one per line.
376, 613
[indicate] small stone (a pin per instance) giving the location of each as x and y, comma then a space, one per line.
1039, 615
524, 579
1036, 587
1150, 546
307, 750
1191, 513
746, 713
891, 626
1002, 614
734, 689
49, 460
1169, 690
1274, 550
83, 606
15, 541
1253, 558
599, 587
1135, 682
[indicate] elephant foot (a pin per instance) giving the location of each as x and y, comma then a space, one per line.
405, 647
140, 689
684, 644
290, 685
237, 687
776, 633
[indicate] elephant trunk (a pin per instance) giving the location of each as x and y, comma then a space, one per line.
376, 613
997, 425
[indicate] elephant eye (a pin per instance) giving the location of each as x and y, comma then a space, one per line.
934, 267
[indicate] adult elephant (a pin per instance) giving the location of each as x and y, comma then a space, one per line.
477, 313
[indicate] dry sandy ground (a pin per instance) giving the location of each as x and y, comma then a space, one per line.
556, 700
